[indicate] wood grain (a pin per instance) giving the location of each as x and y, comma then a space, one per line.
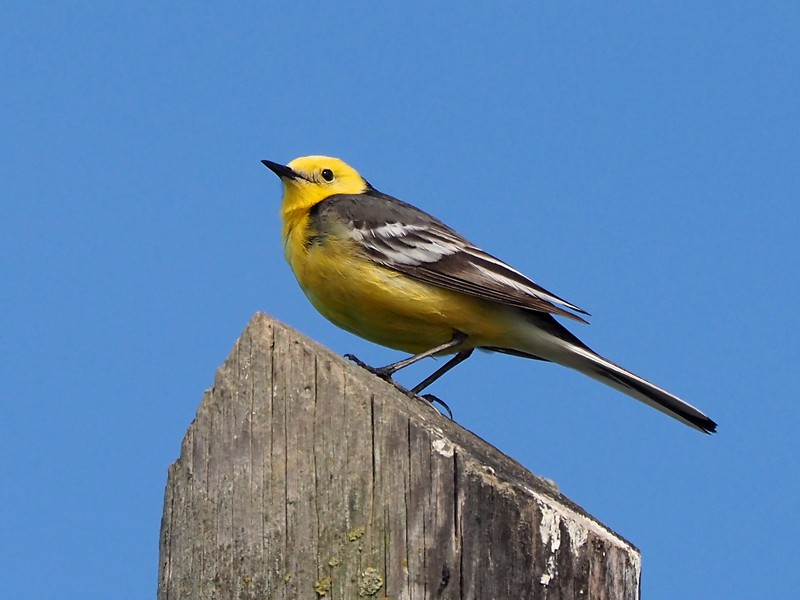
304, 476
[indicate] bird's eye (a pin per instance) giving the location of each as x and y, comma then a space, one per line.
327, 174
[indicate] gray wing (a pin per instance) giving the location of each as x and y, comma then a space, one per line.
401, 237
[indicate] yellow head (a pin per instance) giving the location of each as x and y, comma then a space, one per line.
310, 179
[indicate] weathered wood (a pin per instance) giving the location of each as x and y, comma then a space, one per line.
303, 476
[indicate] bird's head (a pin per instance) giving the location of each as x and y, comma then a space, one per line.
310, 179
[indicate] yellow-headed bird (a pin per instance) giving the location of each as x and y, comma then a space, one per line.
393, 274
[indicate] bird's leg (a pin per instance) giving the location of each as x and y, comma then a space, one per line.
457, 359
389, 370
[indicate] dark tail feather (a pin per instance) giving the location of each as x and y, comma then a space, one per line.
615, 376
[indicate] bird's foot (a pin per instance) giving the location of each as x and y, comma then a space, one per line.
381, 372
386, 375
353, 358
436, 400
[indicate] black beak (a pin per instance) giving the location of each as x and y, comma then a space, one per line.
281, 171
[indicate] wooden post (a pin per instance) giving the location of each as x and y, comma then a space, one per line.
304, 476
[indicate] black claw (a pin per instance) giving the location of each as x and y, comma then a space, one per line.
359, 362
381, 372
436, 400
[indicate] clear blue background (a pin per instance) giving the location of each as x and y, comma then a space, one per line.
640, 161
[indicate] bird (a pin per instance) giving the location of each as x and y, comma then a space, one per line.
391, 273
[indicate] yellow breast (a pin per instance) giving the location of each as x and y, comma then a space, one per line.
381, 305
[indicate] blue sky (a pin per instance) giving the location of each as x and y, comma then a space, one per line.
639, 161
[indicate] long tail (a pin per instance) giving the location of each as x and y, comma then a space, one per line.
605, 371
550, 341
